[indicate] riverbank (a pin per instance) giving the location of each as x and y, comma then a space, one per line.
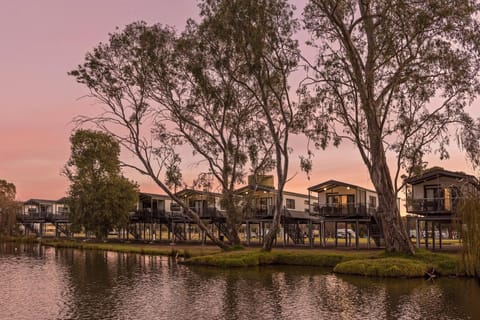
374, 263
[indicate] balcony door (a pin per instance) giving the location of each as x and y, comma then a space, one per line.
344, 204
433, 198
350, 203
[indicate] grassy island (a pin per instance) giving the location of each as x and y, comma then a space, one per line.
365, 263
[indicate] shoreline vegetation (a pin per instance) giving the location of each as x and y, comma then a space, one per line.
372, 263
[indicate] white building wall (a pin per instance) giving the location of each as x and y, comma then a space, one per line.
301, 202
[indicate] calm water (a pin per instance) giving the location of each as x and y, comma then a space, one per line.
48, 283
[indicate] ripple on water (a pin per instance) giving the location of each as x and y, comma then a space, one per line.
47, 283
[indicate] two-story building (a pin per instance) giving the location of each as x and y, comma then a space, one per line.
336, 198
432, 200
43, 216
258, 199
343, 204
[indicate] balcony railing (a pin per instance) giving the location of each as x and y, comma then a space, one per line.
31, 216
328, 210
147, 215
57, 217
432, 206
207, 212
259, 212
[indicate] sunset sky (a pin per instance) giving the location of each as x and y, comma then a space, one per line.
42, 40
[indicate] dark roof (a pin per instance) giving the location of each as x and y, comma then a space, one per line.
153, 195
268, 189
330, 184
62, 200
254, 188
437, 173
188, 192
40, 201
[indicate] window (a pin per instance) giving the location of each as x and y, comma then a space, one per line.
174, 207
372, 202
222, 205
290, 203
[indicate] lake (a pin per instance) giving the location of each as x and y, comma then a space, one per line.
39, 282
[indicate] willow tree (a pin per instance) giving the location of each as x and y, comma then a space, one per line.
392, 76
258, 35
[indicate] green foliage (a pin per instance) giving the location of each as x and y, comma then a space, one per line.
99, 198
256, 38
470, 230
8, 208
380, 64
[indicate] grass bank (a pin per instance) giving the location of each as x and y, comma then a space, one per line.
150, 249
18, 239
365, 263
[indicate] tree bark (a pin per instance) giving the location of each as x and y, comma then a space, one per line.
232, 218
272, 232
394, 233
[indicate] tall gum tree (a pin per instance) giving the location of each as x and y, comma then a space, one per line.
259, 35
161, 91
217, 117
392, 77
121, 75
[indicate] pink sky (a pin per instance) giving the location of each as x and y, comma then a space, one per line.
42, 40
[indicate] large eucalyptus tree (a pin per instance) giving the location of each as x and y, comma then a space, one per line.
258, 36
392, 76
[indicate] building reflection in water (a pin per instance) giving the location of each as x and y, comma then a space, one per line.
48, 283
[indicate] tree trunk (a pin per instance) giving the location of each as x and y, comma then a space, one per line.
272, 232
188, 212
394, 233
232, 218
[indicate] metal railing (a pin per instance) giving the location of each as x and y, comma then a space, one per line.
147, 214
326, 210
432, 205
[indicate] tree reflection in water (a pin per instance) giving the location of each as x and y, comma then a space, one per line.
48, 283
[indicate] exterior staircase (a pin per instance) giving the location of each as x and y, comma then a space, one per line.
294, 232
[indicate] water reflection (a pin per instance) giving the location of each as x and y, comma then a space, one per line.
44, 283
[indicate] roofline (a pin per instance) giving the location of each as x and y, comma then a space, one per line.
154, 195
198, 192
430, 175
41, 200
270, 189
339, 184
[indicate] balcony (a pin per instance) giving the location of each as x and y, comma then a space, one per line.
259, 212
342, 210
207, 213
147, 215
429, 206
